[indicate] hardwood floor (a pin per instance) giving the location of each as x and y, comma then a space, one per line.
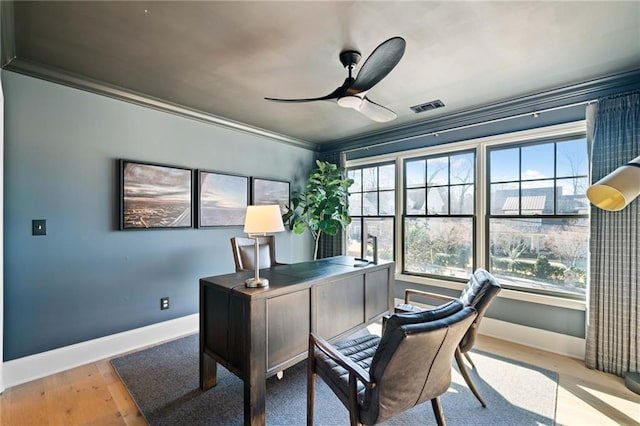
94, 395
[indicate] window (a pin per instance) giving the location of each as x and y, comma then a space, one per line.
372, 206
514, 204
538, 220
438, 220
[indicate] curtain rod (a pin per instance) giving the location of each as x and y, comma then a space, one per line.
467, 126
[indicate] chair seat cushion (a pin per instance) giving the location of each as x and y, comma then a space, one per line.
360, 350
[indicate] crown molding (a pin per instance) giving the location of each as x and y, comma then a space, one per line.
55, 75
569, 95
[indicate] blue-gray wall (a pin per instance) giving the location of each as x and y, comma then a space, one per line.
86, 279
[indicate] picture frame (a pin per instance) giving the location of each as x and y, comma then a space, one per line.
270, 191
222, 199
155, 196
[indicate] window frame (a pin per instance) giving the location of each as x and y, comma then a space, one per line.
362, 217
427, 215
488, 216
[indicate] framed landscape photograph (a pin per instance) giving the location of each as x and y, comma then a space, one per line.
222, 199
267, 191
155, 196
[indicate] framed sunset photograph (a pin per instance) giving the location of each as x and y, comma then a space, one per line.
269, 191
222, 199
155, 196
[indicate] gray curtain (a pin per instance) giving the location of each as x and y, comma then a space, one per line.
614, 291
332, 246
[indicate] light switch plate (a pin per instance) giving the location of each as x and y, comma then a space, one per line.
39, 227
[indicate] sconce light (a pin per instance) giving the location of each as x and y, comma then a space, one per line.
616, 190
260, 221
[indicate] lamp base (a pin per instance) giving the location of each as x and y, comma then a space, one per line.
257, 282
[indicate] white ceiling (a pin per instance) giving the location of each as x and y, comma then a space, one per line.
223, 58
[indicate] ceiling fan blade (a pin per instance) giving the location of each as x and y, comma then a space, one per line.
376, 112
331, 96
380, 63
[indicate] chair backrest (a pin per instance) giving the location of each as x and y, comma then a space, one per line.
244, 252
479, 292
412, 363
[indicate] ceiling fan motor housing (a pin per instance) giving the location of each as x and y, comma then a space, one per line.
350, 58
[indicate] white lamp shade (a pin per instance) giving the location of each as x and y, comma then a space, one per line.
616, 190
263, 220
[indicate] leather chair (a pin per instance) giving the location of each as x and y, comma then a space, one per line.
479, 292
377, 378
244, 252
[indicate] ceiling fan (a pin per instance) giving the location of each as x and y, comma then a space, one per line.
353, 92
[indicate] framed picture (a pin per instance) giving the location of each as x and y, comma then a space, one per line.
267, 191
222, 199
155, 196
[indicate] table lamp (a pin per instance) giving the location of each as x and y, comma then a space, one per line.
260, 221
616, 190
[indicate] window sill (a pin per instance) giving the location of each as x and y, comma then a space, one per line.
560, 302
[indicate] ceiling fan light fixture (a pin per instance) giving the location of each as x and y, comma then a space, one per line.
350, 101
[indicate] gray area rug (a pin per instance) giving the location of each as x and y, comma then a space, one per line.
163, 381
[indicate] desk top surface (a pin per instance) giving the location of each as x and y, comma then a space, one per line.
283, 277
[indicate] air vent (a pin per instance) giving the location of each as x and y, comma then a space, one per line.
428, 106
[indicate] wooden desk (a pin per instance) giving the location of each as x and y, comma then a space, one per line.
257, 332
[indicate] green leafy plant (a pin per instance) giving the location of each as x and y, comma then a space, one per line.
323, 207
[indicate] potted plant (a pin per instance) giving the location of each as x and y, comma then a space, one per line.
323, 207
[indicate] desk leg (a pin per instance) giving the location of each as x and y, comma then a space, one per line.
208, 372
254, 400
255, 386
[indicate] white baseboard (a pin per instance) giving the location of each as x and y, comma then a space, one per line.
40, 365
562, 344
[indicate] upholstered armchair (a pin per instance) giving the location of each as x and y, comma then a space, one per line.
479, 293
377, 378
244, 252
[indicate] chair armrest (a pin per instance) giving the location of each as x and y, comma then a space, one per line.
341, 360
408, 292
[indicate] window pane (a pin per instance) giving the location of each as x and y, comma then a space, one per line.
356, 175
383, 229
438, 171
462, 168
505, 165
439, 246
415, 201
387, 176
537, 161
354, 238
438, 200
370, 179
571, 196
355, 204
505, 198
387, 203
462, 199
545, 254
571, 158
537, 197
370, 203
415, 173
